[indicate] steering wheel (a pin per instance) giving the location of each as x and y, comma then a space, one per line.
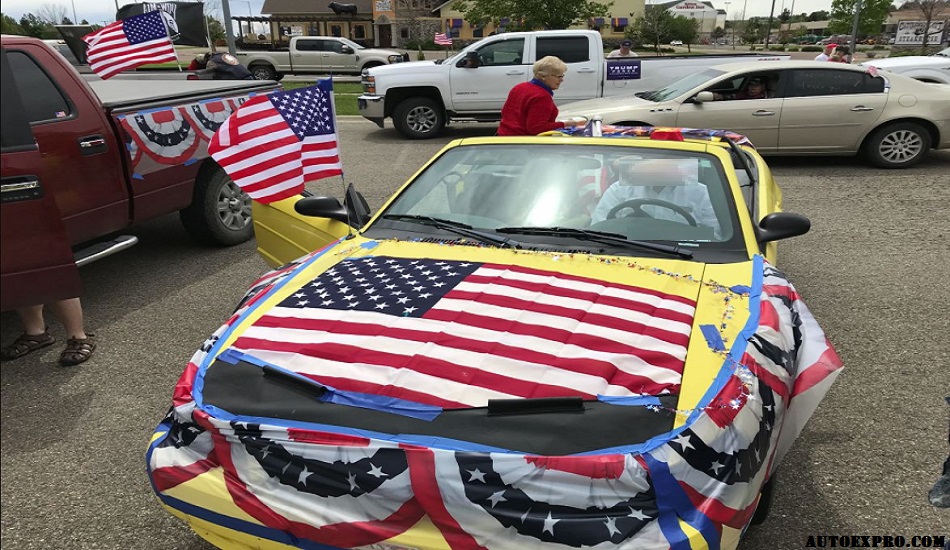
638, 212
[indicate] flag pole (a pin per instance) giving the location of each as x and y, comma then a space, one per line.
336, 130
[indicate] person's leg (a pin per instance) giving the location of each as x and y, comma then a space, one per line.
79, 345
69, 312
32, 319
34, 334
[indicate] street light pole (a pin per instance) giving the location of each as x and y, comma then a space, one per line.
726, 24
768, 31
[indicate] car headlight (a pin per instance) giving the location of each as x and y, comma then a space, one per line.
369, 83
395, 59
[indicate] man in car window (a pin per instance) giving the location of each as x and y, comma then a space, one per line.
754, 88
670, 181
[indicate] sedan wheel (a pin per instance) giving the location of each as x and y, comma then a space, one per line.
898, 145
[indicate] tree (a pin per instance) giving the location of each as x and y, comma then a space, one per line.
36, 27
53, 14
930, 10
412, 10
873, 15
718, 33
685, 29
215, 29
8, 25
655, 26
818, 16
753, 30
534, 14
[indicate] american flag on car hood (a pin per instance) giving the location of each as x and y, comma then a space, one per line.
443, 334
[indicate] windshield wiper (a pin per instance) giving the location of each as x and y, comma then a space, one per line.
598, 236
455, 227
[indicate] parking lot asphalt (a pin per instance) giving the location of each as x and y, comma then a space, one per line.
873, 270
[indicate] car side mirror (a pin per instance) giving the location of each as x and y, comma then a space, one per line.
346, 49
704, 97
354, 210
781, 225
321, 207
463, 64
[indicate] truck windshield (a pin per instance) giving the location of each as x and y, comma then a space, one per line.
683, 85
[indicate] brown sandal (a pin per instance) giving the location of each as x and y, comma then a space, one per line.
78, 350
26, 343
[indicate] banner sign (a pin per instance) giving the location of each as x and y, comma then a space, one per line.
911, 33
186, 20
623, 69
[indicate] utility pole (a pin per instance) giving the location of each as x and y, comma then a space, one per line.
730, 28
228, 30
854, 30
768, 31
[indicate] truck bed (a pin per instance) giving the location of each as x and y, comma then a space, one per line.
133, 94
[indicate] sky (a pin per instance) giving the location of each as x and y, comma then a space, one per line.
100, 11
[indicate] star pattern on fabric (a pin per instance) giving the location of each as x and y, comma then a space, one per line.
308, 111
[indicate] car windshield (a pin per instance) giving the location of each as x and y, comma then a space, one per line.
572, 196
683, 85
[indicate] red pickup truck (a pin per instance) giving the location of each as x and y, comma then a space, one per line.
82, 161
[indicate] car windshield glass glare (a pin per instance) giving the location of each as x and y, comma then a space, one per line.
685, 84
641, 194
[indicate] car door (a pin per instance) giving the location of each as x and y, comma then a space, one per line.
583, 75
82, 162
757, 119
36, 261
337, 57
308, 55
829, 109
501, 65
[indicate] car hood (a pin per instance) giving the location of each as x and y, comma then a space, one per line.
910, 61
604, 106
378, 51
568, 305
411, 67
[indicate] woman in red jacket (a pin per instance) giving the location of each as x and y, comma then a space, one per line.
530, 109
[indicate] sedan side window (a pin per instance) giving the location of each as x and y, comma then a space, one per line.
818, 82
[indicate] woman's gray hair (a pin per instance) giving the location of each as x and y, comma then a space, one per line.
549, 66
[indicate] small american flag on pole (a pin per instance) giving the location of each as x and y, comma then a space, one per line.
441, 39
129, 43
277, 142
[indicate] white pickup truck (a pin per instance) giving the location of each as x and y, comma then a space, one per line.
314, 55
421, 97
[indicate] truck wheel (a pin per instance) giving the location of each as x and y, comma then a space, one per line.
898, 145
263, 72
220, 213
419, 118
370, 65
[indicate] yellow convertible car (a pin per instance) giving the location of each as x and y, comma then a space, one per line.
543, 342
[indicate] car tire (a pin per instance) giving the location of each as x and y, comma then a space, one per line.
765, 502
220, 213
263, 72
370, 65
899, 145
419, 118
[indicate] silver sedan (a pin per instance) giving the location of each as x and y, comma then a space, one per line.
806, 108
